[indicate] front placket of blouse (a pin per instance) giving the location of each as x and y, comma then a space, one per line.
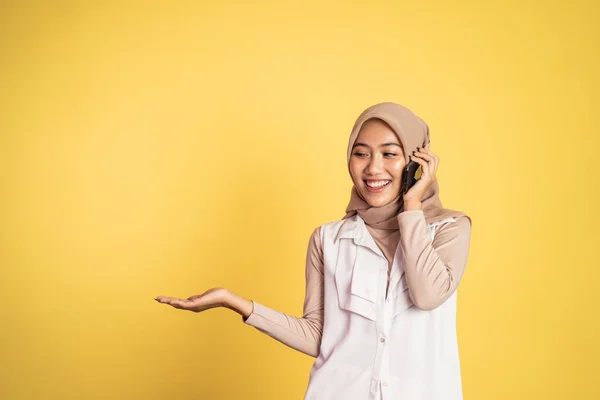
385, 306
396, 301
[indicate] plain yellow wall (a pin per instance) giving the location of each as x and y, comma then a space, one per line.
164, 148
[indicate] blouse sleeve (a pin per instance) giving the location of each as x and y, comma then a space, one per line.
433, 268
300, 333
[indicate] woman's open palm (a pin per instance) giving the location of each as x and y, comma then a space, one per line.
210, 299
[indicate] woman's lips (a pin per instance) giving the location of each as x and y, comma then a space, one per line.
378, 189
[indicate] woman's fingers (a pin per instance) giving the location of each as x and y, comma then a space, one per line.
424, 155
215, 297
179, 303
174, 301
182, 304
163, 299
427, 154
166, 299
427, 159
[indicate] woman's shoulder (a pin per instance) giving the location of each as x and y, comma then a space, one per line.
330, 231
463, 224
446, 215
458, 226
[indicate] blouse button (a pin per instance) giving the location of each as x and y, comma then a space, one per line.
382, 340
385, 384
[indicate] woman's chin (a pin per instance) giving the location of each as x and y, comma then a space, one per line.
375, 201
381, 199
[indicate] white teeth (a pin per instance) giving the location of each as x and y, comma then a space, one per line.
377, 183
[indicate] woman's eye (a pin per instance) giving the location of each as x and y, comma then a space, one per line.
385, 154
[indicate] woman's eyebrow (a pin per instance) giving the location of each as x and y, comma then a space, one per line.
381, 145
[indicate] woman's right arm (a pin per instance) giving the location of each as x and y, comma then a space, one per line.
300, 333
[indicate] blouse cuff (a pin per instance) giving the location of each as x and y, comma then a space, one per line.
254, 318
410, 215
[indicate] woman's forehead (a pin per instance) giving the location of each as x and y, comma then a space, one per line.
377, 131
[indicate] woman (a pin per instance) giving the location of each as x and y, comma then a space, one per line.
380, 303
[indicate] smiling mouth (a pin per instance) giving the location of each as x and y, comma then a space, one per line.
378, 184
380, 188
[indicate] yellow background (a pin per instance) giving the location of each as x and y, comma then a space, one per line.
164, 148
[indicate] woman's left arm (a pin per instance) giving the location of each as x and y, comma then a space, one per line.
433, 269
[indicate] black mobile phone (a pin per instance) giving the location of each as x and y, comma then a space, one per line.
409, 177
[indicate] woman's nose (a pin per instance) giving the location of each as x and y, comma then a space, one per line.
375, 166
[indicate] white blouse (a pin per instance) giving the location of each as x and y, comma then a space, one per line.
372, 346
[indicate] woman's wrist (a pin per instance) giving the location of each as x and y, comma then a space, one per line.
239, 304
413, 205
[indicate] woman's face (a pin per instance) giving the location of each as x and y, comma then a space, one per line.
377, 157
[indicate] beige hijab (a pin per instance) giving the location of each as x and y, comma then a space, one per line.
412, 132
